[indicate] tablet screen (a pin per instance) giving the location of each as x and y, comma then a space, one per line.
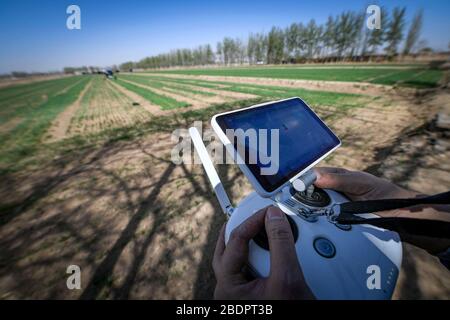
302, 139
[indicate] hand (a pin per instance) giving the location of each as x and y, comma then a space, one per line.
357, 185
285, 280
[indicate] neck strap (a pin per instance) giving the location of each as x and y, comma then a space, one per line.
422, 227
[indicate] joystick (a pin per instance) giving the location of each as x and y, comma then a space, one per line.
314, 197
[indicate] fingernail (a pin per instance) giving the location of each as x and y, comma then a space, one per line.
275, 214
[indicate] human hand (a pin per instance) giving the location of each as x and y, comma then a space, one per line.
358, 185
285, 281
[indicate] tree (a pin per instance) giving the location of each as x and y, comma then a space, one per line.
251, 47
358, 35
292, 40
312, 36
394, 33
341, 36
260, 47
329, 35
127, 66
219, 52
413, 33
275, 45
344, 31
209, 55
239, 51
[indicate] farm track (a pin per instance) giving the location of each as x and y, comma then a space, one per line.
61, 124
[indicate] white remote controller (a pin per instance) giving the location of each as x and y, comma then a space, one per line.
338, 262
360, 261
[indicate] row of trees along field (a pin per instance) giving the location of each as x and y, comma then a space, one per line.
343, 37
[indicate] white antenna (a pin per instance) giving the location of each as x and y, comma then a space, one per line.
211, 172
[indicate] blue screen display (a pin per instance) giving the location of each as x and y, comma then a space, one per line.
303, 138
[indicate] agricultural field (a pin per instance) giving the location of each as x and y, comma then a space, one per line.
87, 178
403, 75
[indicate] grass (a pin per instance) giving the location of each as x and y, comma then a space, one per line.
18, 101
103, 106
166, 103
159, 83
24, 138
404, 77
314, 98
101, 119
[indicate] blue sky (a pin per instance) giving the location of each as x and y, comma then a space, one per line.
34, 36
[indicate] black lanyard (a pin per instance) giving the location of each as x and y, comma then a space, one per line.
346, 214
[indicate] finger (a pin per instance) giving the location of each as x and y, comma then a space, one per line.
236, 251
330, 170
283, 257
349, 182
220, 248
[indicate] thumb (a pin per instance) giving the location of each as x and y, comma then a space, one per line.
283, 258
342, 180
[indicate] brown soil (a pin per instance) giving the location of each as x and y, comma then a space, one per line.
141, 227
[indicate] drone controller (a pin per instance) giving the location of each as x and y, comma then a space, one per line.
339, 261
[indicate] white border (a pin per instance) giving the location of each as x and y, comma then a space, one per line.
241, 163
